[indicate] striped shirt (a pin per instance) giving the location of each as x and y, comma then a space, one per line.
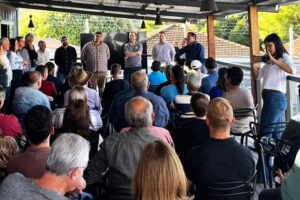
58, 117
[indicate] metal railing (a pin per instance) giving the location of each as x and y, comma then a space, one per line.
292, 91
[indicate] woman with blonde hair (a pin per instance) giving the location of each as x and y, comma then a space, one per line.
159, 174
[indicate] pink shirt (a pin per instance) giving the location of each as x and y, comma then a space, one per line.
159, 132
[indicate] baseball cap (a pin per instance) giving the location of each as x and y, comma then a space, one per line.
196, 64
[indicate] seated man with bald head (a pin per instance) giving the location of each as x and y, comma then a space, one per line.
120, 152
139, 84
28, 96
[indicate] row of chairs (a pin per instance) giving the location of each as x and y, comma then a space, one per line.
247, 121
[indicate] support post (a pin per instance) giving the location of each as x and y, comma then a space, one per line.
211, 36
254, 49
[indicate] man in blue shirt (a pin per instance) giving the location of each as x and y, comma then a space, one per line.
193, 50
211, 80
139, 84
27, 97
156, 77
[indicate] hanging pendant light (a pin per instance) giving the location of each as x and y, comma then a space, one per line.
157, 19
208, 6
30, 25
143, 26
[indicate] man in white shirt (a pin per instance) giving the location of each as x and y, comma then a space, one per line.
163, 51
43, 54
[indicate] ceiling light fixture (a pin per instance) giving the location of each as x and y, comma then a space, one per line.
158, 19
143, 26
30, 25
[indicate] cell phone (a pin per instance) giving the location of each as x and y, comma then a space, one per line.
264, 59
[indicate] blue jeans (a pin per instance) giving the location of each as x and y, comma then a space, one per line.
129, 71
273, 110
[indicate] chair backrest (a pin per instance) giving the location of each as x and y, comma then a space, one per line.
258, 130
245, 112
152, 88
243, 118
232, 190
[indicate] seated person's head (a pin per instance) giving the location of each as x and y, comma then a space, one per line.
168, 71
235, 76
2, 96
177, 77
139, 112
77, 118
159, 160
219, 115
155, 66
51, 67
68, 158
77, 92
221, 82
199, 103
33, 79
43, 70
194, 82
139, 81
116, 69
75, 66
8, 149
210, 63
195, 65
38, 124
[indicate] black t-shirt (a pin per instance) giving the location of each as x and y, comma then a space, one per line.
218, 161
189, 134
111, 89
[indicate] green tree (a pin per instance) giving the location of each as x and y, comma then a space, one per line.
280, 22
49, 24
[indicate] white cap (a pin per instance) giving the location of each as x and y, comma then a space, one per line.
196, 64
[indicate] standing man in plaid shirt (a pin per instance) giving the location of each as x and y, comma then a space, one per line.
95, 55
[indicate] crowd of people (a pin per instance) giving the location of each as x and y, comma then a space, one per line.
162, 136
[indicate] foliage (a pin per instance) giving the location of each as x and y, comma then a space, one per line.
280, 22
235, 27
49, 24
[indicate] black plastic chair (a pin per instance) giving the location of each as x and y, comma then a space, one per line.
242, 190
152, 88
243, 118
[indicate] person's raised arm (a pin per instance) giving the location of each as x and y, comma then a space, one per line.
282, 65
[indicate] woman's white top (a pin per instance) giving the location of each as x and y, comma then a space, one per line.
16, 61
274, 78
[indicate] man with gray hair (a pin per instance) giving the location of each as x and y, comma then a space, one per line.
31, 50
139, 84
6, 74
120, 152
182, 102
67, 160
